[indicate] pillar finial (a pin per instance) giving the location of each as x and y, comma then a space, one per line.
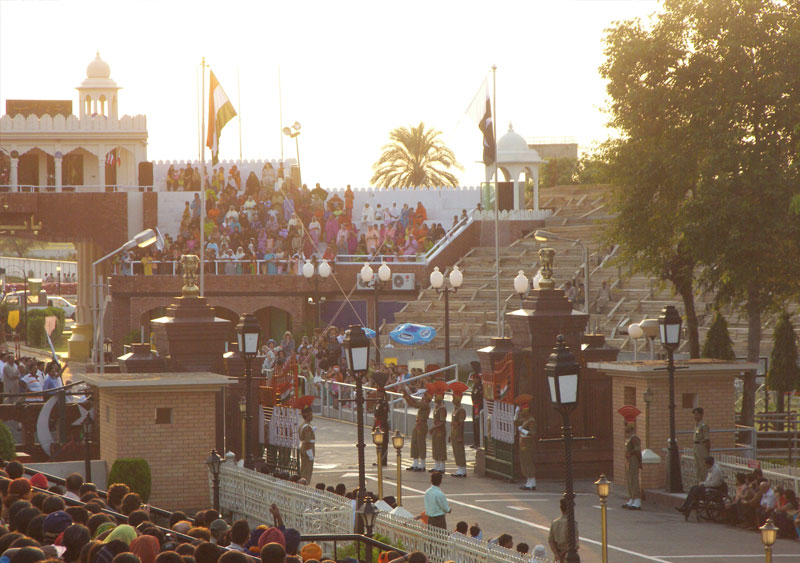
546, 256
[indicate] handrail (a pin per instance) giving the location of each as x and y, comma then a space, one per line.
75, 187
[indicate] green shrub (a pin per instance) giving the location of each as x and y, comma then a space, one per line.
134, 472
8, 449
36, 334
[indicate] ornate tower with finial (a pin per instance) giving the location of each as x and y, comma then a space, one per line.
98, 94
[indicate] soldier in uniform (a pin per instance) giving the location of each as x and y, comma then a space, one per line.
633, 458
457, 428
419, 438
702, 443
439, 429
381, 417
477, 402
307, 437
526, 428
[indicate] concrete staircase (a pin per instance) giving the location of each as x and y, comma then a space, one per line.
579, 213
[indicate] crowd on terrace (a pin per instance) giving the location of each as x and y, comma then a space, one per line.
269, 225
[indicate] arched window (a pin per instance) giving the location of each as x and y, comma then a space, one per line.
102, 105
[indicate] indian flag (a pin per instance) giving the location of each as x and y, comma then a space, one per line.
220, 112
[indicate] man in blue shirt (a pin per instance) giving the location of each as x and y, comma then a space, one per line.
436, 506
53, 380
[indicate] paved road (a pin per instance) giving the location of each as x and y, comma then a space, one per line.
654, 534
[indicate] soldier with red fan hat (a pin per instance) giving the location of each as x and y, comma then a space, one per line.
526, 426
457, 428
633, 457
307, 437
439, 429
419, 438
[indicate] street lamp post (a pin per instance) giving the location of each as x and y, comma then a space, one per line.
544, 236
603, 490
376, 284
669, 325
635, 332
58, 281
248, 331
377, 438
563, 374
366, 515
769, 533
214, 461
323, 270
294, 132
86, 427
142, 240
356, 346
397, 442
648, 398
456, 278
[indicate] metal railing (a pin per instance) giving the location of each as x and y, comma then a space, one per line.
30, 188
247, 494
778, 475
217, 266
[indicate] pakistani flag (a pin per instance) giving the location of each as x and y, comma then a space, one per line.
220, 112
480, 110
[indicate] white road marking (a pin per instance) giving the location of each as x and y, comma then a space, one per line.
740, 556
517, 507
511, 499
532, 525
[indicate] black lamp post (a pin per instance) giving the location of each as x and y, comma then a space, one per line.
323, 269
86, 427
248, 331
367, 514
563, 373
356, 346
58, 271
669, 326
376, 284
437, 282
214, 461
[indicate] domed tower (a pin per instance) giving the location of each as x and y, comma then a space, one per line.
515, 158
98, 94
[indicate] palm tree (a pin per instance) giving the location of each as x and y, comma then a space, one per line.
415, 158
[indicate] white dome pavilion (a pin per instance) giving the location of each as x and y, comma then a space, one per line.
98, 93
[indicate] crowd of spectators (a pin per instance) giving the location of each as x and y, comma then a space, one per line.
753, 502
269, 225
79, 524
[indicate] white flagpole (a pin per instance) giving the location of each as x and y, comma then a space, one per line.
280, 109
500, 328
202, 184
239, 113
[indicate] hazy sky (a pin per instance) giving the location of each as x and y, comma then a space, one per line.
351, 71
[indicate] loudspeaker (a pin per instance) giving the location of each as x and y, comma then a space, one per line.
505, 196
145, 174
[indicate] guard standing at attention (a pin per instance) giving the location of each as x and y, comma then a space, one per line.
457, 428
477, 402
633, 457
439, 428
307, 437
702, 444
526, 428
419, 438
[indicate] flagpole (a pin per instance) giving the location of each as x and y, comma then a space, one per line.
500, 328
202, 183
280, 109
239, 113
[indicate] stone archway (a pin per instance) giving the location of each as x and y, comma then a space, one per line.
274, 322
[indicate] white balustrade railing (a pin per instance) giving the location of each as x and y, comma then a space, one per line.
248, 494
778, 475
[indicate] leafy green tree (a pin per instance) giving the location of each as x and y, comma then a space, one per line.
718, 342
562, 171
704, 96
415, 157
784, 373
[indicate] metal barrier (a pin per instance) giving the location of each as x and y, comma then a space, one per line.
30, 188
788, 477
247, 494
